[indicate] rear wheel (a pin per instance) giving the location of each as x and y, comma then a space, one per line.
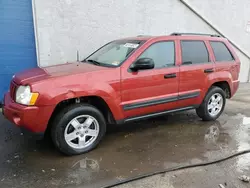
212, 105
78, 129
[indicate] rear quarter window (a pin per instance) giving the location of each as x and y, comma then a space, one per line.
221, 52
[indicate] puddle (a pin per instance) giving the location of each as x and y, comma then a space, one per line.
243, 139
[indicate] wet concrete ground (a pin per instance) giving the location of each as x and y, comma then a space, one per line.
134, 149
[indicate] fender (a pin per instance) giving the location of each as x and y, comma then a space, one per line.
110, 93
219, 77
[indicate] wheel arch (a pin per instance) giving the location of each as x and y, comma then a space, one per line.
95, 101
225, 86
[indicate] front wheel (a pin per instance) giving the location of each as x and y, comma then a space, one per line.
212, 105
78, 129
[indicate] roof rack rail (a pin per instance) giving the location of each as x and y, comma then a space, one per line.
201, 34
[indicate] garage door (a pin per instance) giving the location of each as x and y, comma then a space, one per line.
17, 41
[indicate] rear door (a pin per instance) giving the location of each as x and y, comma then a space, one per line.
194, 71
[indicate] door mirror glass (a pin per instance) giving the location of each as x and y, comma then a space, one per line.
142, 64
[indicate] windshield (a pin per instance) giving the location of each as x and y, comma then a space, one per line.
114, 53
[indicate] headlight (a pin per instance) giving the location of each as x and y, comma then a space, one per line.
25, 96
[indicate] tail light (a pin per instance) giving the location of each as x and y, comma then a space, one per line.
238, 68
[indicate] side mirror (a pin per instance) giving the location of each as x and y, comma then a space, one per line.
142, 64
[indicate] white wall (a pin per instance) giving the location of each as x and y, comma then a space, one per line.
65, 26
230, 17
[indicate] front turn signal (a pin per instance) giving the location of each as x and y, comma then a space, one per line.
33, 99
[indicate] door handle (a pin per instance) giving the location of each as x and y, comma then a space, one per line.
172, 75
208, 70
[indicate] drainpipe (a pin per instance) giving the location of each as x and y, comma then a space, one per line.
218, 31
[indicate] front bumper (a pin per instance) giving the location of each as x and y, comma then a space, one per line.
32, 118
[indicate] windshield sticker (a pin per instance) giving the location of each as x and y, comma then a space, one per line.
115, 63
131, 45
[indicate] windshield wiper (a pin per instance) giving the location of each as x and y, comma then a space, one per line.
93, 61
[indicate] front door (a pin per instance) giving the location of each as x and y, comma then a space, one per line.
154, 90
195, 70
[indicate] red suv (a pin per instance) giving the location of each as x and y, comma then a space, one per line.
125, 80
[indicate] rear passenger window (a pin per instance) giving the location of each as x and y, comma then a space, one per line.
194, 52
221, 52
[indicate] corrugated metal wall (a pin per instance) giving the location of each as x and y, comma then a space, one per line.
17, 42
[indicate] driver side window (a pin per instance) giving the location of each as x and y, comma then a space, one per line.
162, 53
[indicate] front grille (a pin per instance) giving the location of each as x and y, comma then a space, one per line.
13, 87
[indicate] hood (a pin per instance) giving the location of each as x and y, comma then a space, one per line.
37, 74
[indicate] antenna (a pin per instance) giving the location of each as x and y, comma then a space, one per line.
77, 55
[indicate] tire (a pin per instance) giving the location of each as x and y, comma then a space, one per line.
203, 111
71, 123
